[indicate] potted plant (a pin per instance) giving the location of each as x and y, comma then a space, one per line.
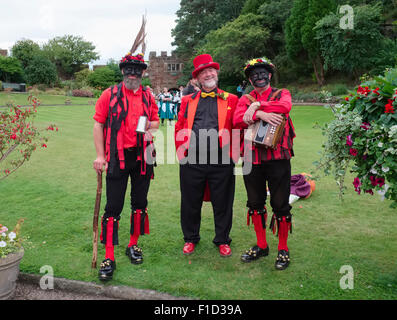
11, 253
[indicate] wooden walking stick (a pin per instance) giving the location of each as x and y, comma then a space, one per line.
95, 220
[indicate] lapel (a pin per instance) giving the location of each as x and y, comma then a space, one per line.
222, 111
191, 111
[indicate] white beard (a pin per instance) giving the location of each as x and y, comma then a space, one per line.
210, 83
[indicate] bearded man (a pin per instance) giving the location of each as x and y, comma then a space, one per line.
125, 153
203, 143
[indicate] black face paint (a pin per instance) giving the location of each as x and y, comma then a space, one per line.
133, 70
259, 74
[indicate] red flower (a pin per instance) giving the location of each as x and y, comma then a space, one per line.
363, 91
44, 145
373, 180
380, 181
389, 107
347, 98
349, 141
353, 152
365, 126
357, 185
13, 137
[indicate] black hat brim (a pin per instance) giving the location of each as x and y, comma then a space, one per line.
133, 62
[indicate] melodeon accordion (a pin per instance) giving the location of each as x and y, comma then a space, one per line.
263, 134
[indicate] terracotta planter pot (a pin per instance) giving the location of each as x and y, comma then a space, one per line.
9, 270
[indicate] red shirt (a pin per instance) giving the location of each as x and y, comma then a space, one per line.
136, 109
283, 105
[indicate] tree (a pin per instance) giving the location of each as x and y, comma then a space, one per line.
233, 44
10, 69
41, 71
252, 6
316, 10
301, 38
24, 50
275, 13
356, 50
196, 18
69, 53
293, 34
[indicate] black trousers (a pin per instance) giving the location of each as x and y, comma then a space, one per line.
277, 174
221, 181
116, 185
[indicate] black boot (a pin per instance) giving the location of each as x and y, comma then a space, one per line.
254, 253
106, 271
135, 254
283, 260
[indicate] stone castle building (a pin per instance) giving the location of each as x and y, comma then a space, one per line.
164, 70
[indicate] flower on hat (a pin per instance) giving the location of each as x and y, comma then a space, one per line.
129, 57
255, 61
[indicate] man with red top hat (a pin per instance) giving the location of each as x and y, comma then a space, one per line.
203, 140
126, 151
269, 166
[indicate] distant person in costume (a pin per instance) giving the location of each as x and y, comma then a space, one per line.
125, 154
191, 87
269, 166
203, 146
165, 106
177, 102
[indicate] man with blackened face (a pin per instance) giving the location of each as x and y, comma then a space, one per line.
132, 76
271, 168
126, 153
260, 77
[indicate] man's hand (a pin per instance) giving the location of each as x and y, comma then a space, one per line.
272, 118
247, 118
99, 163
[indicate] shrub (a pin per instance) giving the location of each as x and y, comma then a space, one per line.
19, 137
82, 93
81, 78
41, 71
338, 89
56, 92
102, 78
1, 86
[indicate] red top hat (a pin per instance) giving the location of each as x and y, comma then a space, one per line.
201, 62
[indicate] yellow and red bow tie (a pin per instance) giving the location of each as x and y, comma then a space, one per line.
205, 95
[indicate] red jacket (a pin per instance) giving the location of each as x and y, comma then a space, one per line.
280, 104
123, 135
184, 125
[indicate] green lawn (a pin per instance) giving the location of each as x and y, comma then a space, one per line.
45, 99
55, 193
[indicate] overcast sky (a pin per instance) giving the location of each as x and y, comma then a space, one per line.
110, 25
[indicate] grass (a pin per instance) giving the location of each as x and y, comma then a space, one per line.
55, 193
45, 99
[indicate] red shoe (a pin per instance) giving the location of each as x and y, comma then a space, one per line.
188, 248
224, 250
